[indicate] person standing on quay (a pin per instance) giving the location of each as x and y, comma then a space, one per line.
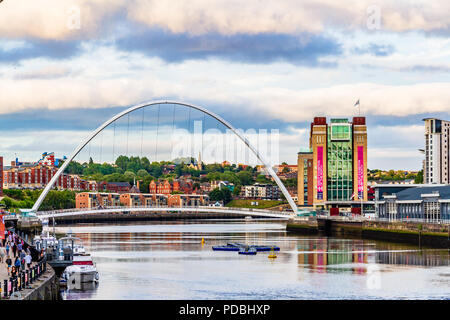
2, 254
28, 261
17, 263
13, 272
22, 259
8, 264
7, 247
14, 248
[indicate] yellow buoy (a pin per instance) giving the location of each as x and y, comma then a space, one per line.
272, 254
203, 241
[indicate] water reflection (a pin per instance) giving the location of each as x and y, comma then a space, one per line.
79, 291
317, 254
157, 260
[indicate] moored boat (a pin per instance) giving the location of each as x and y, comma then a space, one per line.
225, 248
83, 268
248, 251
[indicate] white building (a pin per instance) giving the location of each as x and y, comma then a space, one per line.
261, 191
437, 146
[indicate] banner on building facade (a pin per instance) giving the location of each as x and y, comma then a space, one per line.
360, 172
319, 173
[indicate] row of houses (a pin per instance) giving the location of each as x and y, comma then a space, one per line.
88, 200
37, 176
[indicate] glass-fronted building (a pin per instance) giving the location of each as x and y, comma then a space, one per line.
337, 173
340, 161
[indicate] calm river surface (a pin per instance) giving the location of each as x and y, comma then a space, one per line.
166, 260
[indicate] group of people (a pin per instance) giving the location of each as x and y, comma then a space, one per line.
13, 247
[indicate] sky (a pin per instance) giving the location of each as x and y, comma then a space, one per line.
66, 66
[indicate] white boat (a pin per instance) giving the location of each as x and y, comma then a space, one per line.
83, 269
44, 241
80, 274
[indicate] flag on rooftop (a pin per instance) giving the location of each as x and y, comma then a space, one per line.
357, 103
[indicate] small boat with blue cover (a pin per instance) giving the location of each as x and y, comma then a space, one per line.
266, 248
228, 247
234, 246
248, 251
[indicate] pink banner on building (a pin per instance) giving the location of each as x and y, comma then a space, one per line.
360, 172
320, 173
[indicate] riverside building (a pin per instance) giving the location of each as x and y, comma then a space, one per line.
333, 172
436, 169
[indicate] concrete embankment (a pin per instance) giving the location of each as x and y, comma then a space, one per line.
143, 216
303, 226
38, 283
46, 287
422, 234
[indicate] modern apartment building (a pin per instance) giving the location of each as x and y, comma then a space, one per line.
261, 191
334, 171
436, 166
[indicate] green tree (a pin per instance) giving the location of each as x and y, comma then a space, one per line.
142, 173
245, 178
230, 177
237, 191
223, 194
122, 162
419, 177
262, 179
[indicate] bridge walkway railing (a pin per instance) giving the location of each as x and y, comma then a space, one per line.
169, 208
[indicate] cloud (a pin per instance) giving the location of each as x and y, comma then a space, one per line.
39, 48
426, 68
53, 20
379, 50
57, 20
289, 16
376, 100
257, 48
265, 101
45, 72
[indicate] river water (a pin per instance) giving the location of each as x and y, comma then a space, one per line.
166, 260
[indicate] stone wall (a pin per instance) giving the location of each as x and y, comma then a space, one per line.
45, 288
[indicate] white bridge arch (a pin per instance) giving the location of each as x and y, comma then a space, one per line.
269, 169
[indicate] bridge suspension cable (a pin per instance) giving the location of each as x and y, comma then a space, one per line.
139, 106
128, 131
142, 132
101, 146
114, 140
157, 132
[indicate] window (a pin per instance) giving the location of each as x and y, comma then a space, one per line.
432, 211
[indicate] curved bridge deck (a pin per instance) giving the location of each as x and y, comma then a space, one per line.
241, 211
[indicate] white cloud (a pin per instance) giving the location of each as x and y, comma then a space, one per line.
54, 19
93, 84
49, 19
289, 16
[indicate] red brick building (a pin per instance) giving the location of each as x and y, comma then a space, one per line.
118, 187
37, 176
165, 187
